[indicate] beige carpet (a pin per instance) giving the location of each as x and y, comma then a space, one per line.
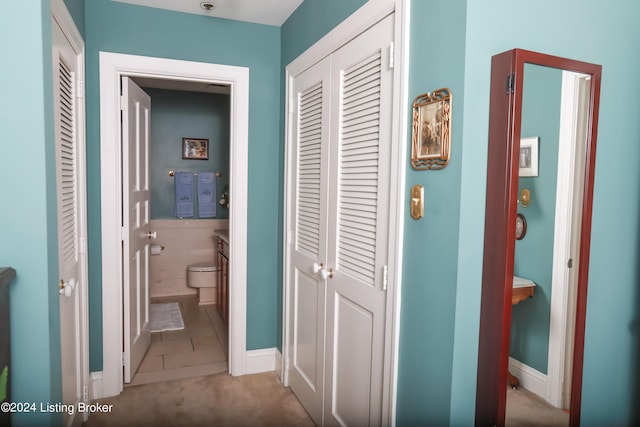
213, 400
525, 409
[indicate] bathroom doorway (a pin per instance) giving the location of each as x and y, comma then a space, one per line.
198, 344
112, 68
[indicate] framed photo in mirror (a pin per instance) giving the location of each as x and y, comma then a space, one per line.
431, 131
528, 159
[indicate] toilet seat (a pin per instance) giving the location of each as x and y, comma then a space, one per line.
203, 267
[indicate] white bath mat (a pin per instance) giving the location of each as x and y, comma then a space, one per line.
165, 317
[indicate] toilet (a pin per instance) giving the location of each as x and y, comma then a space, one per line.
203, 276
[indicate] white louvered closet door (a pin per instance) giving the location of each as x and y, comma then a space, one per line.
71, 225
358, 228
310, 156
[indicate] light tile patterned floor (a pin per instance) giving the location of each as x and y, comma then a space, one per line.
198, 349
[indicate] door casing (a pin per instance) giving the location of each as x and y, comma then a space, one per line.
112, 67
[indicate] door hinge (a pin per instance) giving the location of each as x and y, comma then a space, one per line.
391, 55
290, 105
79, 89
124, 359
83, 245
123, 103
385, 277
511, 83
85, 393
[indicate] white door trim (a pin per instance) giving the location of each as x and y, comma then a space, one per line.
370, 13
112, 67
63, 18
563, 297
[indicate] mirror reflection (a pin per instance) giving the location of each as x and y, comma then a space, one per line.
550, 187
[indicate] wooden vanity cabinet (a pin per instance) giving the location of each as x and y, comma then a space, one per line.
222, 261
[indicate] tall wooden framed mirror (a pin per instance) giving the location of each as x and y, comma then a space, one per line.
560, 291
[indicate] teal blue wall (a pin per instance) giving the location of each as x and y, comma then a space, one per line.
611, 382
76, 9
436, 60
122, 28
175, 115
310, 21
534, 254
28, 229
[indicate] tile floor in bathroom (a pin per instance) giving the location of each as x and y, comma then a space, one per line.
198, 349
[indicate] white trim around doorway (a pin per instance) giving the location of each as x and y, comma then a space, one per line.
566, 245
109, 382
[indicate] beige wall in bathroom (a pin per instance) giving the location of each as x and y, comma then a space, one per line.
185, 242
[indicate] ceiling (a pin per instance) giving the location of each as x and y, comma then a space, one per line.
268, 12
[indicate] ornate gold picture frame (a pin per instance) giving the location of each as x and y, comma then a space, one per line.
431, 138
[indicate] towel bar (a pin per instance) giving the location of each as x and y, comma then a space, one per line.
173, 173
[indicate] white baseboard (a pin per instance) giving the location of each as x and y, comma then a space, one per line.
95, 385
263, 360
531, 379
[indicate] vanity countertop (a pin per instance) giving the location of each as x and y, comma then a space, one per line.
223, 234
521, 282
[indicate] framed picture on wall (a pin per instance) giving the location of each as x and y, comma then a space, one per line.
195, 148
431, 130
528, 157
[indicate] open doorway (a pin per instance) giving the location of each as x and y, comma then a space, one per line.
112, 68
188, 332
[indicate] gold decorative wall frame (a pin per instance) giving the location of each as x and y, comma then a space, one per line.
431, 139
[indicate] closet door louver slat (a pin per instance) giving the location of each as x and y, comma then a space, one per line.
308, 180
358, 172
67, 167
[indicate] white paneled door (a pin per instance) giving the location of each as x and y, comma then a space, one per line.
71, 210
342, 148
136, 232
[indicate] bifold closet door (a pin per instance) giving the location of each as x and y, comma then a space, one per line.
358, 227
310, 145
341, 139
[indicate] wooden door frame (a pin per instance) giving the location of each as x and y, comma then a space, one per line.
499, 242
369, 14
112, 67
